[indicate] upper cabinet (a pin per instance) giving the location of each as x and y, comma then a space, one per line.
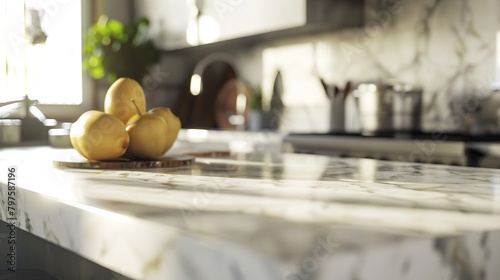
179, 24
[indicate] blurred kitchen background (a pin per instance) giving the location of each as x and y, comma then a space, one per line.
446, 47
441, 57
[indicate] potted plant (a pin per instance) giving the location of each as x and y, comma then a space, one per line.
112, 50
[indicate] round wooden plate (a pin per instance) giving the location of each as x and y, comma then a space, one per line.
217, 154
172, 161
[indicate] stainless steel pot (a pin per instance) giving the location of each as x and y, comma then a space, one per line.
375, 107
406, 108
388, 108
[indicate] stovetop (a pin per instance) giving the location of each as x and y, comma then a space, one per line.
413, 135
422, 147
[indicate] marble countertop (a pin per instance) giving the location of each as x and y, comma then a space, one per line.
264, 215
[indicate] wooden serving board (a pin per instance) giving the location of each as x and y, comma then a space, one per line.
223, 154
172, 161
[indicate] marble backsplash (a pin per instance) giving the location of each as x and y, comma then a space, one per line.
447, 47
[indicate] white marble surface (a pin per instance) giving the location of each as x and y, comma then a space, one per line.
447, 47
265, 216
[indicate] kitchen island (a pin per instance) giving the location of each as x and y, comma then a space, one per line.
263, 215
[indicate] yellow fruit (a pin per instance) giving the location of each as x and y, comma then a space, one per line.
173, 124
133, 119
147, 137
118, 99
99, 136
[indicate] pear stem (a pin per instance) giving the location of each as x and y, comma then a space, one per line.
136, 107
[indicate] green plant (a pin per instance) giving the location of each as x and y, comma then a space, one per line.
113, 50
256, 100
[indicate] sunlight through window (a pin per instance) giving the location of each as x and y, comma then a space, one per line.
40, 52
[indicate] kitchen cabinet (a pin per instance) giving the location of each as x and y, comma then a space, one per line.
185, 24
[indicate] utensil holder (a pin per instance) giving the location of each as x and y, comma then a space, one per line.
337, 115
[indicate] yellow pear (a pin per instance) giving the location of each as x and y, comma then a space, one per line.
99, 136
133, 118
118, 97
173, 124
148, 136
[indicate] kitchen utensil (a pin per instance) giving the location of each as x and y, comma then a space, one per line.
406, 108
485, 114
59, 138
337, 114
330, 90
277, 105
325, 87
10, 131
171, 161
336, 92
389, 107
347, 89
375, 107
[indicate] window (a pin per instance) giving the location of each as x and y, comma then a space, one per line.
40, 51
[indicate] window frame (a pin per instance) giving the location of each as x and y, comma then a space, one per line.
70, 112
